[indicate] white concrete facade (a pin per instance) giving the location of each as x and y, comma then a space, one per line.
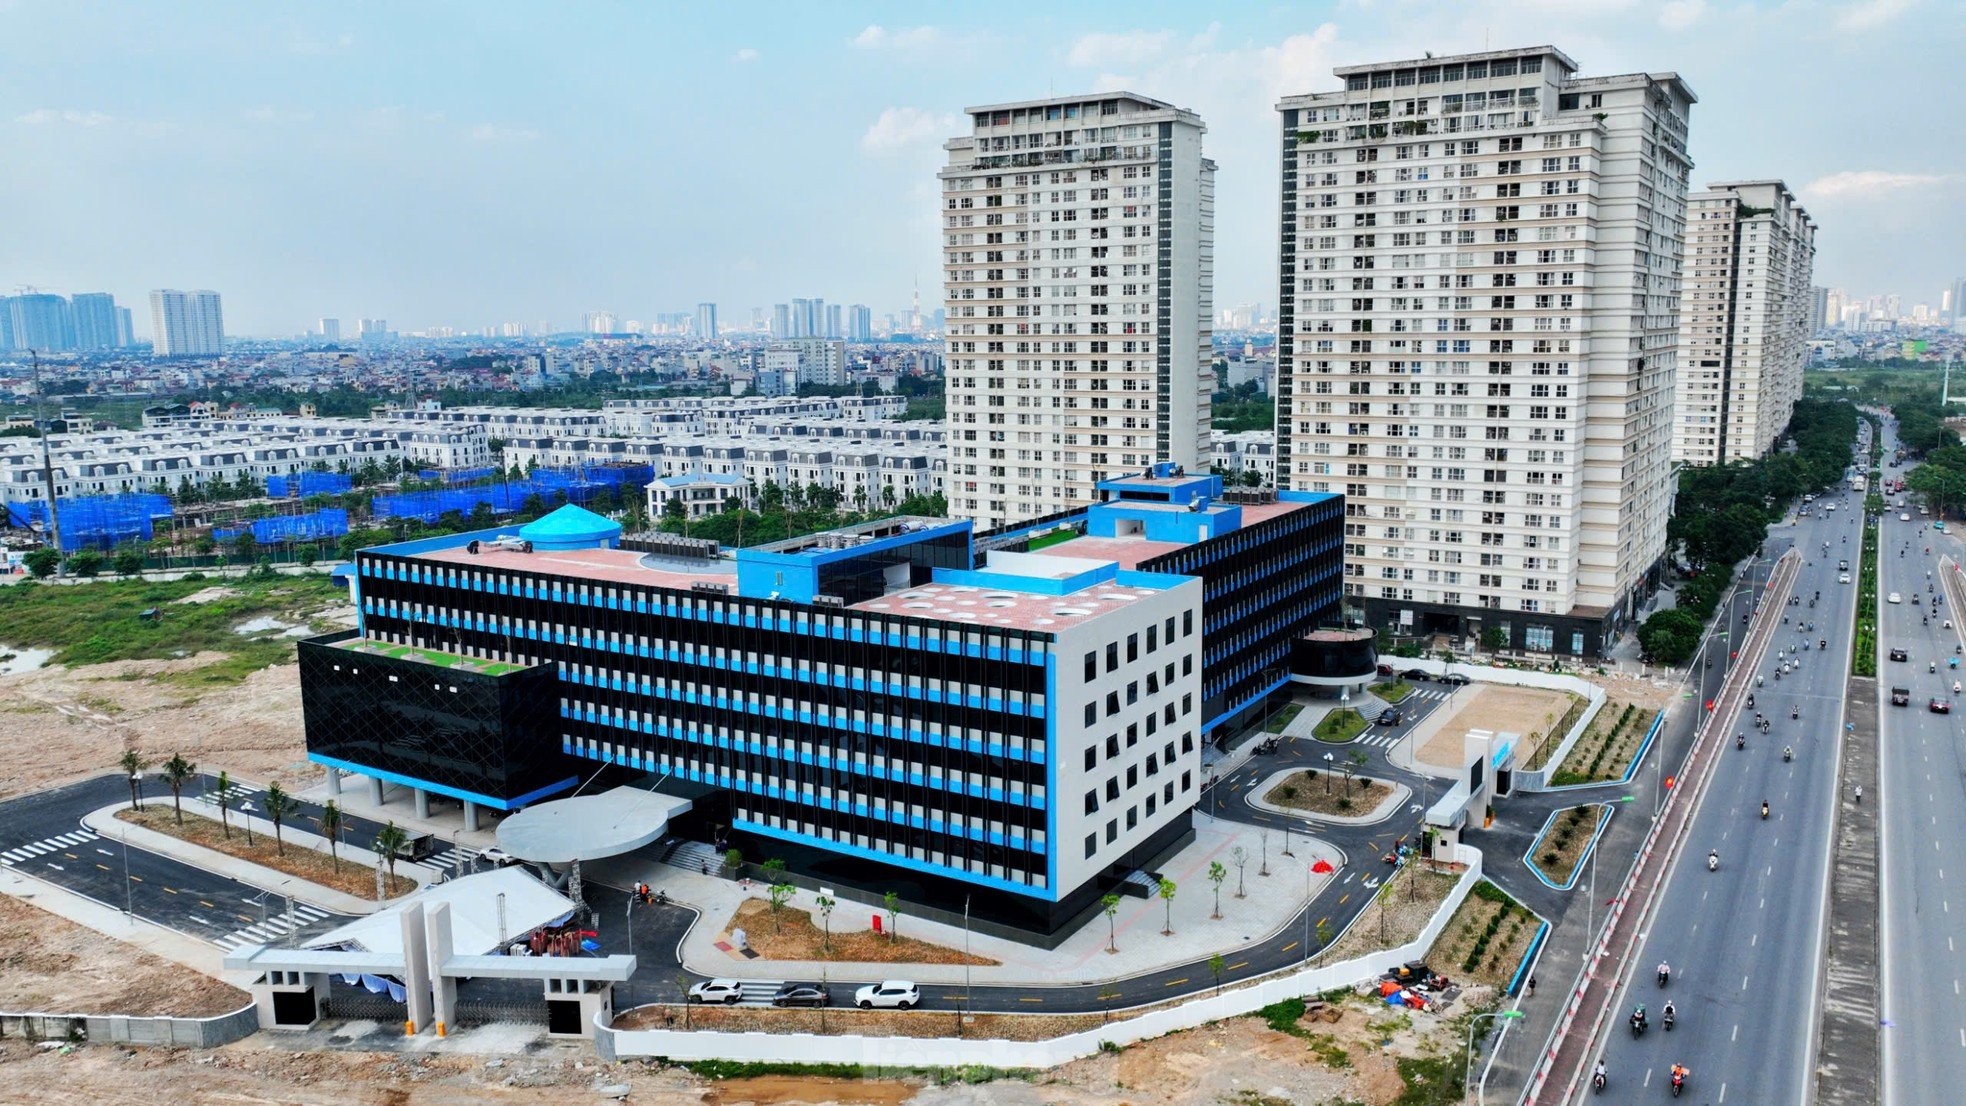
1480, 270
1078, 253
186, 323
1744, 321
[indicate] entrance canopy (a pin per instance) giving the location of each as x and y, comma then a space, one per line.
479, 903
589, 827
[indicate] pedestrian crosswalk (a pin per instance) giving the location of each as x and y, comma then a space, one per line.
1379, 738
450, 860
48, 845
1434, 693
275, 926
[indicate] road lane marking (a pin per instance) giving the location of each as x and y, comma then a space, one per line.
104, 867
1030, 1000
170, 890
1239, 964
138, 879
1288, 947
1723, 1095
1754, 940
206, 905
105, 852
1346, 899
1324, 919
1744, 983
1175, 982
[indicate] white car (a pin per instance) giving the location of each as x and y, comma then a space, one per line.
1843, 579
897, 993
1894, 597
497, 857
726, 991
1904, 516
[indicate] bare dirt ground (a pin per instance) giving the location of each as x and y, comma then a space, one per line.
46, 967
791, 934
63, 724
1495, 707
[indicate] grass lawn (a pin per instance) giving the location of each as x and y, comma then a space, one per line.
1392, 691
433, 657
1339, 726
1055, 537
1558, 853
1332, 794
1282, 718
348, 876
97, 622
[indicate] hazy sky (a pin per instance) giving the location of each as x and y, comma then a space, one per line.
468, 164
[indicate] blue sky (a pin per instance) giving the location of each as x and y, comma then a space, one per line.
467, 164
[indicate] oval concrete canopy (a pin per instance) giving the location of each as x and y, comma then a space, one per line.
589, 827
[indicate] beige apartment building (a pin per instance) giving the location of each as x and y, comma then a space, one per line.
1479, 292
1744, 323
1078, 238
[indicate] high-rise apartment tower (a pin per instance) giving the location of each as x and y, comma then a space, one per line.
184, 324
1479, 290
1078, 270
1744, 320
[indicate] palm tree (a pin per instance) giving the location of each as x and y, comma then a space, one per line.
222, 794
132, 763
279, 805
389, 844
330, 822
178, 771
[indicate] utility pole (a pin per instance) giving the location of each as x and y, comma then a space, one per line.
47, 457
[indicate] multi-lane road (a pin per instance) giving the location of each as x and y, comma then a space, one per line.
1922, 785
1743, 941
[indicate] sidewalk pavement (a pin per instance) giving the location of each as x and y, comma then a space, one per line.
1272, 901
446, 819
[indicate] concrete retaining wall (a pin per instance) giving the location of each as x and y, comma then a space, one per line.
912, 1052
122, 1029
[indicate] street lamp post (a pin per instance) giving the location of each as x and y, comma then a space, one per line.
1467, 1078
129, 895
1590, 903
1307, 912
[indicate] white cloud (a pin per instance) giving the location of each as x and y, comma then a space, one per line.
1871, 184
1678, 15
41, 117
489, 132
277, 115
907, 39
746, 54
1868, 15
1120, 48
899, 128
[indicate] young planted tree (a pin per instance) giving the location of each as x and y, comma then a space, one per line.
1166, 891
892, 903
133, 763
223, 792
331, 823
778, 890
389, 844
1216, 874
177, 772
1353, 762
1215, 966
1109, 904
1323, 935
1240, 856
825, 905
279, 807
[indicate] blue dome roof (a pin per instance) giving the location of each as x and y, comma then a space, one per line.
571, 527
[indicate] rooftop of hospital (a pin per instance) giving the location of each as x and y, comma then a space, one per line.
906, 565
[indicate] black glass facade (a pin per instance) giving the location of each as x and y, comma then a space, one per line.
1265, 585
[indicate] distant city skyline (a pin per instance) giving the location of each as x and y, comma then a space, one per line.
181, 148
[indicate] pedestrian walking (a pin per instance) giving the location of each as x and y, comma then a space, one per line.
1860, 793
1531, 993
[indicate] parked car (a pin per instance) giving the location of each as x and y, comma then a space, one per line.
801, 994
1456, 679
726, 991
1416, 674
896, 993
1385, 669
1940, 706
497, 857
1389, 717
1900, 655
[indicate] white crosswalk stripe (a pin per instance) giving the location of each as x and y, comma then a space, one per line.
274, 927
47, 845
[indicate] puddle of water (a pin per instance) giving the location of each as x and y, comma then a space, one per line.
260, 625
14, 660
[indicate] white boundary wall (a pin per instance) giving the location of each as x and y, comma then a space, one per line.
916, 1052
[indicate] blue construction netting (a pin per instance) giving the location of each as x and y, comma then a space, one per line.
308, 483
458, 476
329, 522
96, 521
